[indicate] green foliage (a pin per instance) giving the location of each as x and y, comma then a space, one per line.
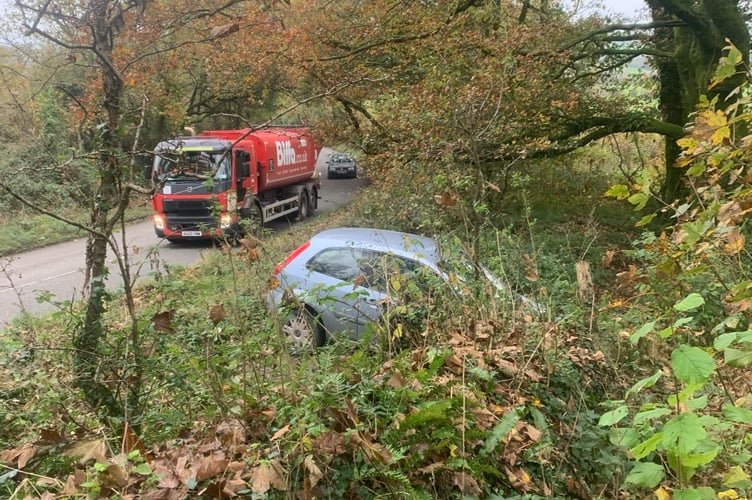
698, 421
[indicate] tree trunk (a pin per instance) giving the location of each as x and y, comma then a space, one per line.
696, 47
92, 333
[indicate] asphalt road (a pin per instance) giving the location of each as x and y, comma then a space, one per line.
56, 273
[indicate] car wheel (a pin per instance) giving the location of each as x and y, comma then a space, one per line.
301, 331
303, 206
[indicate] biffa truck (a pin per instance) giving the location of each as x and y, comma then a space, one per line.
207, 184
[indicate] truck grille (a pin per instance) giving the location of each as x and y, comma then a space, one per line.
188, 207
177, 223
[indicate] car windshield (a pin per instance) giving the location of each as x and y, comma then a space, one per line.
341, 159
192, 164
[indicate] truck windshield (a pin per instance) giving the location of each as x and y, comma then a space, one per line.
192, 165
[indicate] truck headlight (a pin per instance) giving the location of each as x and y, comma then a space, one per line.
225, 221
159, 222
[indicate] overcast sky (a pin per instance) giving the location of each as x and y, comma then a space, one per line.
629, 9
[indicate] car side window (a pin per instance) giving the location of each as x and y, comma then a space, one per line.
380, 269
340, 263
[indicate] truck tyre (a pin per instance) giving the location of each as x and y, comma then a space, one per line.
253, 214
302, 331
303, 205
314, 201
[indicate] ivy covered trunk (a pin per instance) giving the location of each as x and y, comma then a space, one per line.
89, 340
691, 53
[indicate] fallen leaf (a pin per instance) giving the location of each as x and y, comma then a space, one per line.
314, 473
445, 199
280, 433
88, 450
267, 476
217, 313
467, 484
734, 242
163, 321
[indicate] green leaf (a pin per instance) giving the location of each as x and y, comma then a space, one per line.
734, 56
666, 332
694, 460
736, 414
648, 475
639, 200
645, 220
726, 66
142, 469
644, 330
613, 417
683, 433
737, 358
724, 340
647, 447
691, 301
695, 231
618, 191
700, 403
500, 431
736, 478
644, 416
692, 494
683, 321
646, 382
691, 364
431, 412
697, 169
624, 437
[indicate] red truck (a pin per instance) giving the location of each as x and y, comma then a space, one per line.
206, 184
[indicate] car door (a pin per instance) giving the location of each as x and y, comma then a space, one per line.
341, 294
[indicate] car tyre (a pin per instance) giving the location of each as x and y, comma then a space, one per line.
302, 331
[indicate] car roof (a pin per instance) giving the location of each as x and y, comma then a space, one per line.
404, 244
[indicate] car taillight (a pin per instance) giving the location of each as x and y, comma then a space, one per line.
278, 268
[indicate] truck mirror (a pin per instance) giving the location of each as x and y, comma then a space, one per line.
147, 171
242, 160
244, 170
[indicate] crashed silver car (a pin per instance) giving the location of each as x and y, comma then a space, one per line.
339, 281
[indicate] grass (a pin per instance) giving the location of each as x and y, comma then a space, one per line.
27, 230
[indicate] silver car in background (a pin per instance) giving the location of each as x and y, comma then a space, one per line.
341, 165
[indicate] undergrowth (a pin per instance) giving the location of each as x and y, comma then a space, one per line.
470, 397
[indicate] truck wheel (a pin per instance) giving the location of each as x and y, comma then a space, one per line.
303, 206
252, 219
302, 331
314, 201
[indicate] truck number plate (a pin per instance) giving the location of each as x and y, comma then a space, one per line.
191, 234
